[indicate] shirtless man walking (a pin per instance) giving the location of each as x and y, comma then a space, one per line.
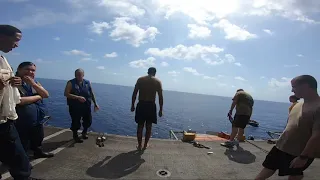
146, 111
299, 143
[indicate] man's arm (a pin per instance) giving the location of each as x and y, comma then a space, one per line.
312, 146
40, 90
93, 96
68, 90
29, 99
234, 102
160, 96
134, 94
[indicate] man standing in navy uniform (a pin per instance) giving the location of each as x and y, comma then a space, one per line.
79, 95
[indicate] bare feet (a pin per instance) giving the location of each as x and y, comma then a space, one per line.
138, 147
145, 146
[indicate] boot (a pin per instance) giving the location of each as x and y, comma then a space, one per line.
84, 134
76, 137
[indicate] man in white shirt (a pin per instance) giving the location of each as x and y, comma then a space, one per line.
12, 153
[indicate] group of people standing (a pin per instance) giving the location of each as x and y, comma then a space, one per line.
23, 112
298, 145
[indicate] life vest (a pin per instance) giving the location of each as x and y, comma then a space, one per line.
30, 114
83, 90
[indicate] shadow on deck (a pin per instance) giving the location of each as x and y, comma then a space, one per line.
118, 159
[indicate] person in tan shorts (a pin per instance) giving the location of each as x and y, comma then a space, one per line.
298, 145
146, 111
243, 102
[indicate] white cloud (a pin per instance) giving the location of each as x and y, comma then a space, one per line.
300, 55
182, 52
125, 29
209, 77
238, 64
268, 31
229, 58
221, 84
76, 53
101, 67
174, 73
98, 27
111, 55
123, 7
164, 64
262, 77
239, 78
42, 61
56, 38
291, 65
86, 59
196, 31
234, 32
284, 82
193, 71
143, 63
201, 11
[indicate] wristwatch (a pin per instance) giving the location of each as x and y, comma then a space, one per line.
303, 157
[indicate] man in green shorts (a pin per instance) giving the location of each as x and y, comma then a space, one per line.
243, 102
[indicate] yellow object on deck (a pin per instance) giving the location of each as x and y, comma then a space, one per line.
188, 136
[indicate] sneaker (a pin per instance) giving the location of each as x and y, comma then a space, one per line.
230, 143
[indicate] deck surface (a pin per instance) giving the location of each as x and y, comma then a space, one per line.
118, 159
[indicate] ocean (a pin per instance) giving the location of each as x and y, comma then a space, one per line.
181, 111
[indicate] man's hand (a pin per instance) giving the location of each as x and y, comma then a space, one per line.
3, 83
15, 81
96, 108
298, 162
81, 99
160, 113
132, 108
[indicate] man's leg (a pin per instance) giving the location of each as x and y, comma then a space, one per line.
75, 124
264, 174
139, 135
12, 153
36, 139
295, 177
86, 123
148, 134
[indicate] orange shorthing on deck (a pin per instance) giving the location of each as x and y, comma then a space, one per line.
207, 137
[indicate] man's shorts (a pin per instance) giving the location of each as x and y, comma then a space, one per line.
240, 121
279, 160
146, 112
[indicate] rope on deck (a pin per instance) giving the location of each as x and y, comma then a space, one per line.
263, 150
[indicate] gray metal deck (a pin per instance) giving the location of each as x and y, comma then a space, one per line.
118, 159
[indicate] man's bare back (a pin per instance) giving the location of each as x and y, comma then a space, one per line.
148, 87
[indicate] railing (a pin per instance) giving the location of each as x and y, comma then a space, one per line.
172, 134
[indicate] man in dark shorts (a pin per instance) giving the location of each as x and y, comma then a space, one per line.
243, 102
146, 111
298, 145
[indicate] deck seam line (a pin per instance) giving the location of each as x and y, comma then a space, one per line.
56, 151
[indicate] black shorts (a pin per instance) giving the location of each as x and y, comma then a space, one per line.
279, 160
240, 121
146, 112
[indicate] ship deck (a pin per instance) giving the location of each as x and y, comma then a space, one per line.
118, 159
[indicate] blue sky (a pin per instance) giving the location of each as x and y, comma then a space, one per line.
204, 46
